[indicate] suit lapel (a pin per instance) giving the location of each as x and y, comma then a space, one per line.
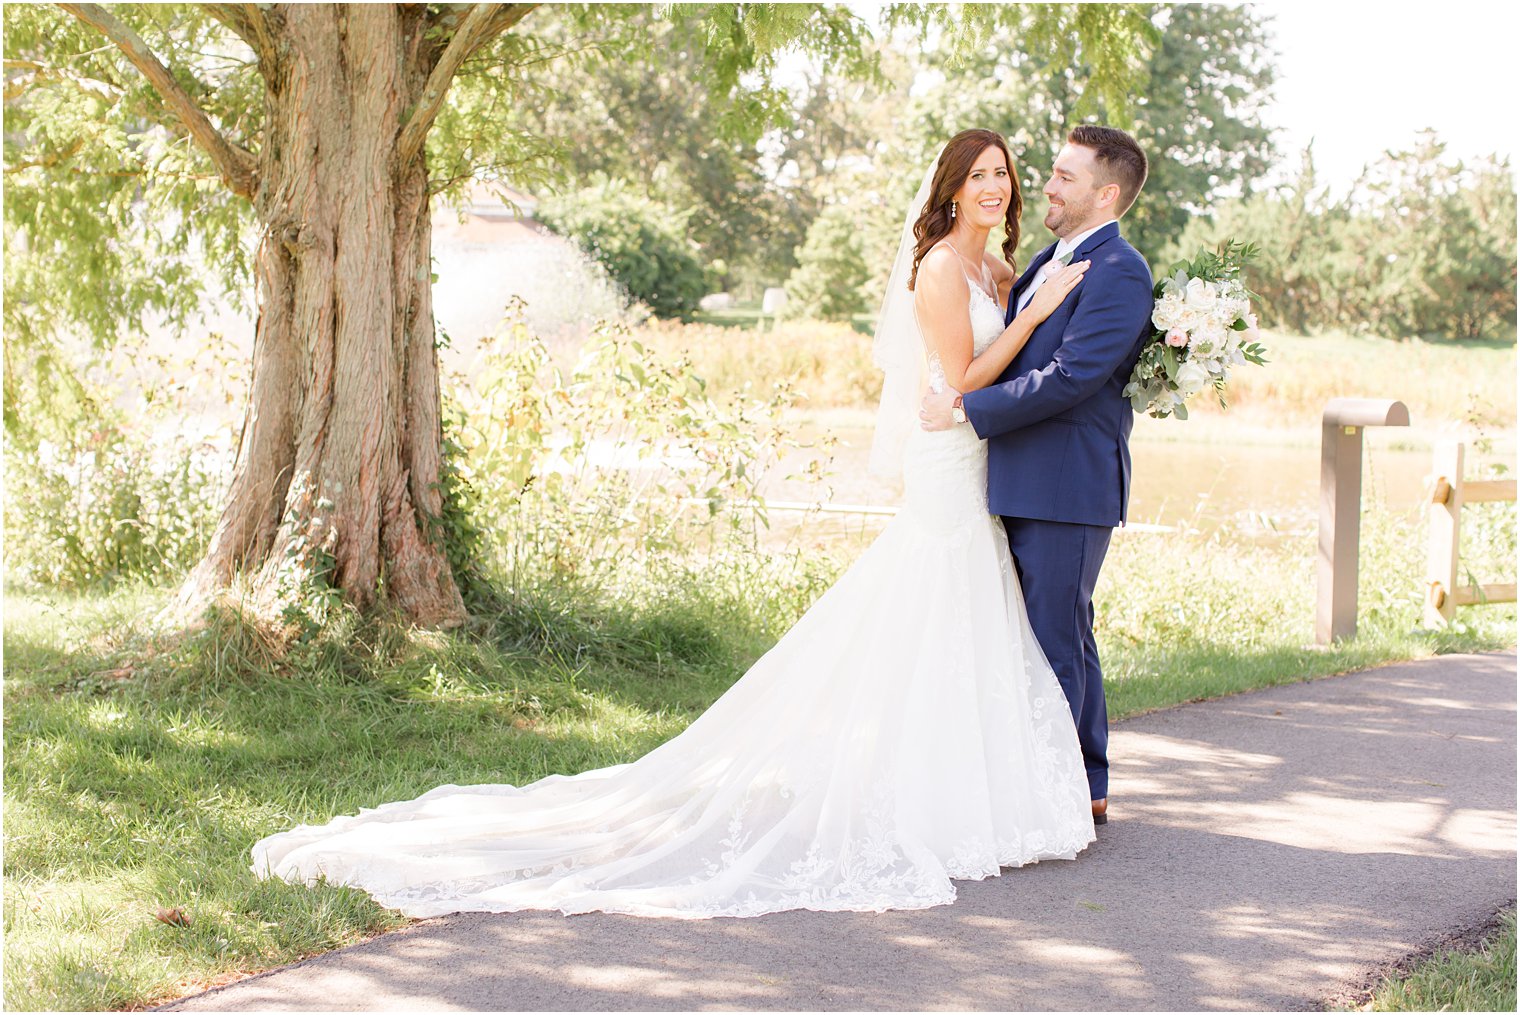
1035, 265
1104, 234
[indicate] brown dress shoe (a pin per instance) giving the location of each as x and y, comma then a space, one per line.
1100, 811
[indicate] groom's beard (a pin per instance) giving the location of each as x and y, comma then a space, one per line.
1066, 219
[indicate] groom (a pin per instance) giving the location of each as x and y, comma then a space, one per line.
1057, 426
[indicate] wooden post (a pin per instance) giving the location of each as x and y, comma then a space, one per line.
1445, 533
1340, 507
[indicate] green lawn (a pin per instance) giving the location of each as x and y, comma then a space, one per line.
138, 779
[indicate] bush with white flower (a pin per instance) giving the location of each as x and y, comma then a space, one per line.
1203, 327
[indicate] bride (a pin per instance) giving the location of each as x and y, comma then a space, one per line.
906, 732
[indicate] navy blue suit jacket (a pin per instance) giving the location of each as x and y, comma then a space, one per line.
1056, 422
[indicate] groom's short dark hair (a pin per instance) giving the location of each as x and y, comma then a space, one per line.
1119, 159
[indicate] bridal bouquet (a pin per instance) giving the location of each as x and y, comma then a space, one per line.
1204, 326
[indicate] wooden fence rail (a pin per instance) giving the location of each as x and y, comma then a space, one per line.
1448, 493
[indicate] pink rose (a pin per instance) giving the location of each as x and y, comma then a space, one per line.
1176, 338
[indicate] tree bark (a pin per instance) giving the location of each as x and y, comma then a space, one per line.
337, 469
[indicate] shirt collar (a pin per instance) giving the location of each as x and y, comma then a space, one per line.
1073, 242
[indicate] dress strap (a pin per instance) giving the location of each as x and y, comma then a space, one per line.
975, 283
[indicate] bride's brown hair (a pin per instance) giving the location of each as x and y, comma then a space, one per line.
955, 162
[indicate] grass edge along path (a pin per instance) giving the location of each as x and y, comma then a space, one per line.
136, 781
1475, 972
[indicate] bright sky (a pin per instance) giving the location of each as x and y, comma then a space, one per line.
1361, 78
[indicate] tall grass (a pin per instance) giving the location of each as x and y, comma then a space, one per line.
108, 503
1440, 382
1187, 616
824, 365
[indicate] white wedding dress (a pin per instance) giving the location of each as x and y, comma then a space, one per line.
906, 732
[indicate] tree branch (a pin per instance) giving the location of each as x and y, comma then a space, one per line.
248, 23
34, 73
235, 164
448, 16
483, 23
506, 15
49, 161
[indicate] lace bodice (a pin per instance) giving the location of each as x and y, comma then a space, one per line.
945, 472
986, 320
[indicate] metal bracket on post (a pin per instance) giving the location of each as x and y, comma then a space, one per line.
1340, 507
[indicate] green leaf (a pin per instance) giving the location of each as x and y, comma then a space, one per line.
1170, 360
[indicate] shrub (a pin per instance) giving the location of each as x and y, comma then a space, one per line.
641, 242
828, 283
107, 506
1421, 247
628, 455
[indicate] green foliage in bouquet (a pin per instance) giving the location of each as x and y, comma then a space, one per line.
1203, 326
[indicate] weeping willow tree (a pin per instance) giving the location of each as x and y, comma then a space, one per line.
296, 150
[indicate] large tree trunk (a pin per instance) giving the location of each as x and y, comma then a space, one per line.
336, 473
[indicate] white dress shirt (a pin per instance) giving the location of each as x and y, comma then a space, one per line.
1063, 247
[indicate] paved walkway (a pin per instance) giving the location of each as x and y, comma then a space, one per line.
1264, 850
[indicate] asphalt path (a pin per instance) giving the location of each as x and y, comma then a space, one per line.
1264, 851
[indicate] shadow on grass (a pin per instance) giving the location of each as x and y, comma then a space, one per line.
138, 779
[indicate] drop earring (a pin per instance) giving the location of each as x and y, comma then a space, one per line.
952, 209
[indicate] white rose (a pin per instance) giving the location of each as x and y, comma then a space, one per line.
1191, 378
1251, 334
1201, 296
1168, 311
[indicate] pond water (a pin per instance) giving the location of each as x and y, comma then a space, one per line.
1236, 489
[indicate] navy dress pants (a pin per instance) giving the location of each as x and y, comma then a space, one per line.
1058, 564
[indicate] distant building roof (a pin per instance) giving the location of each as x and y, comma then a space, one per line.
498, 201
494, 213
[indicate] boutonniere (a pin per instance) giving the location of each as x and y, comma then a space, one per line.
1055, 264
